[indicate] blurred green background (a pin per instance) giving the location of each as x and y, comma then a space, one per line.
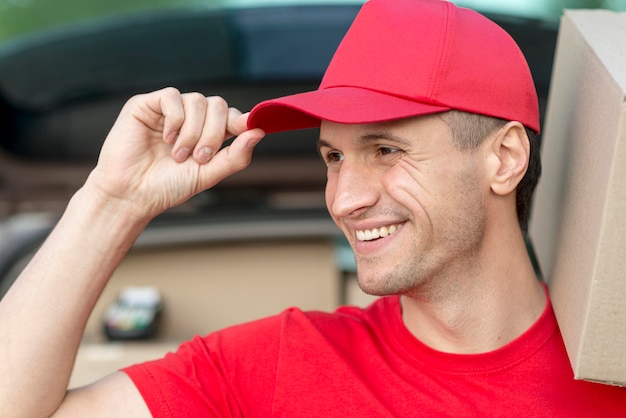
20, 17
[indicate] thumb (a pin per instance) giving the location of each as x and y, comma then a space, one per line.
231, 159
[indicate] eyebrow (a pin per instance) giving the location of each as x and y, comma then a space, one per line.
386, 135
322, 143
370, 137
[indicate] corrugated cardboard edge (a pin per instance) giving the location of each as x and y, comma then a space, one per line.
578, 209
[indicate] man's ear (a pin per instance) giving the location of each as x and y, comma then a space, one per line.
510, 149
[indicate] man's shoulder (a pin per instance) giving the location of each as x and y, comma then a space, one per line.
295, 322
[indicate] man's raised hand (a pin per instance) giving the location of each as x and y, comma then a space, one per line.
166, 147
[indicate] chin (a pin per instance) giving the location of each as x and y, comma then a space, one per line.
380, 285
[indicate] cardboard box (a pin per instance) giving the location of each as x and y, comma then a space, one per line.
578, 224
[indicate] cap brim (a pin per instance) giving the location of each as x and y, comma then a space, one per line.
348, 105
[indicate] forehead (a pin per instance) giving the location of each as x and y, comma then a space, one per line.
408, 130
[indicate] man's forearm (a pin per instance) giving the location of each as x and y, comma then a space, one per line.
160, 152
43, 316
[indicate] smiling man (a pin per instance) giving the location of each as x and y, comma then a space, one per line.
428, 123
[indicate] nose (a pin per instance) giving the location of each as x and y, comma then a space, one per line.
352, 189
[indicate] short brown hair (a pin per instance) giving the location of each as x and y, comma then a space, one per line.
468, 132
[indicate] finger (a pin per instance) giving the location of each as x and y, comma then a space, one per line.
195, 115
237, 122
232, 158
168, 103
214, 131
160, 111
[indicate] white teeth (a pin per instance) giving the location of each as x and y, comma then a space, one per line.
370, 234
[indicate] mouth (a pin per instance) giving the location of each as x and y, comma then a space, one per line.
376, 233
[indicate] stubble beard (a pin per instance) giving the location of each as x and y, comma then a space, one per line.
433, 272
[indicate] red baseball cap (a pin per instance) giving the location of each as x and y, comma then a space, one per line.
404, 58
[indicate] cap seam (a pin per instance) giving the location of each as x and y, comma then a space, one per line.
443, 48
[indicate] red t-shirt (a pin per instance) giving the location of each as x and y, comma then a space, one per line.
365, 363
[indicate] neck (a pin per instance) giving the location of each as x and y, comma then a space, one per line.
475, 309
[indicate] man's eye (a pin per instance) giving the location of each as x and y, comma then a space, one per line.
388, 150
334, 156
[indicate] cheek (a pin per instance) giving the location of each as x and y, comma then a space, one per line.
409, 186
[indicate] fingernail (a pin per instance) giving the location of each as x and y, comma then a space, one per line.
182, 154
171, 138
254, 142
205, 154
